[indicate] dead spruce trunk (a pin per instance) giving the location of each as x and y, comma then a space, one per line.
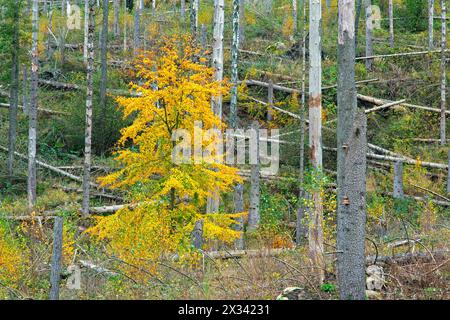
391, 23
253, 214
369, 27
137, 22
32, 132
116, 27
55, 273
351, 165
443, 73
398, 180
14, 91
430, 24
104, 73
217, 62
89, 95
194, 17
301, 227
238, 190
315, 135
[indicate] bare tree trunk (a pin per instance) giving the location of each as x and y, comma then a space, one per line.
125, 25
369, 27
301, 228
391, 24
89, 95
63, 8
183, 9
217, 60
430, 24
398, 180
137, 23
14, 91
448, 174
116, 18
104, 73
194, 17
253, 214
241, 23
294, 18
315, 134
32, 133
86, 31
55, 273
443, 73
351, 165
270, 100
238, 190
358, 17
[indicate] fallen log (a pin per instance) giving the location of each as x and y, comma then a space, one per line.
92, 194
438, 202
42, 110
404, 54
51, 168
408, 161
408, 258
380, 102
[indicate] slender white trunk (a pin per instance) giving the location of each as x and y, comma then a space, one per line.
116, 18
217, 60
86, 30
369, 27
315, 134
253, 212
391, 23
194, 17
294, 17
32, 132
89, 95
443, 72
430, 24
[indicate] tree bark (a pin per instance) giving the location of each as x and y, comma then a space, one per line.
116, 27
104, 74
86, 31
89, 95
430, 24
398, 180
294, 18
443, 73
241, 23
315, 134
32, 132
55, 274
183, 9
194, 17
301, 228
351, 165
217, 61
137, 23
369, 27
391, 23
358, 17
448, 174
238, 190
270, 100
253, 214
14, 91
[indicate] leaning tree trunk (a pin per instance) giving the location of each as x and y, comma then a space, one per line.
443, 73
14, 92
391, 23
315, 135
89, 95
430, 24
301, 229
238, 190
369, 27
351, 165
32, 132
217, 60
116, 27
103, 80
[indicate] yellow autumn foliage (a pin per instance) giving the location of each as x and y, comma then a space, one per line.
174, 91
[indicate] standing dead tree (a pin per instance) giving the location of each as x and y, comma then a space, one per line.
55, 274
89, 96
443, 73
32, 131
315, 134
430, 24
391, 23
351, 165
369, 28
253, 214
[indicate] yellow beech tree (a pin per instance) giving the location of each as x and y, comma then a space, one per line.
174, 92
